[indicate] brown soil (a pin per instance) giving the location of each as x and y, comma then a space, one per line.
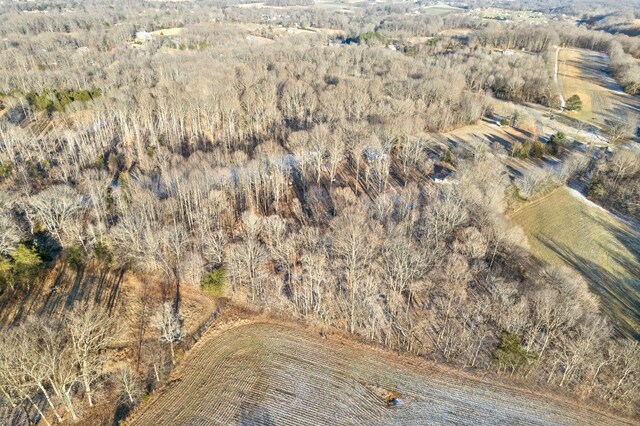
259, 371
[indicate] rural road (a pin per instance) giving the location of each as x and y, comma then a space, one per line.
555, 78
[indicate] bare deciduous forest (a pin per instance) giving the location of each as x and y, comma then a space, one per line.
160, 161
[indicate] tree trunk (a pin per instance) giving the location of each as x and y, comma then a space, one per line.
8, 398
475, 355
69, 404
565, 376
553, 369
48, 399
40, 413
87, 387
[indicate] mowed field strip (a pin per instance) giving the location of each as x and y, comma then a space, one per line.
572, 74
272, 374
566, 228
584, 73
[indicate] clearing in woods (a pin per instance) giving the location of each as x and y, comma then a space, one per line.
566, 228
167, 32
439, 9
265, 374
572, 72
584, 73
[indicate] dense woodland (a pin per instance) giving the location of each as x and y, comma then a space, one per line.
299, 177
615, 182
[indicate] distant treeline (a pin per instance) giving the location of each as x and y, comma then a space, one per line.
623, 51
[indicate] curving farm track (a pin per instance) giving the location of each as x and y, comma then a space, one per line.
266, 374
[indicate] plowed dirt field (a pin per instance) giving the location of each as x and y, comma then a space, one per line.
269, 374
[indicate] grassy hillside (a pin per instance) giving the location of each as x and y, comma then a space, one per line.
565, 228
575, 82
277, 374
584, 73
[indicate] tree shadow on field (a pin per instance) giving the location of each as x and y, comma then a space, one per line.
121, 412
24, 301
251, 414
629, 237
619, 293
493, 139
490, 120
593, 69
515, 173
525, 134
626, 104
445, 140
75, 285
61, 290
567, 120
25, 414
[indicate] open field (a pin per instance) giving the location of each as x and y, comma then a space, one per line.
167, 32
440, 9
573, 83
456, 32
583, 72
254, 40
265, 374
344, 6
419, 39
258, 34
494, 13
565, 228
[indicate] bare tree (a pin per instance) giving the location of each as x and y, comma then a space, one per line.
624, 162
56, 208
129, 385
214, 245
91, 330
402, 263
56, 354
169, 324
620, 128
174, 239
624, 370
29, 363
336, 155
445, 214
247, 259
353, 243
15, 385
9, 235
